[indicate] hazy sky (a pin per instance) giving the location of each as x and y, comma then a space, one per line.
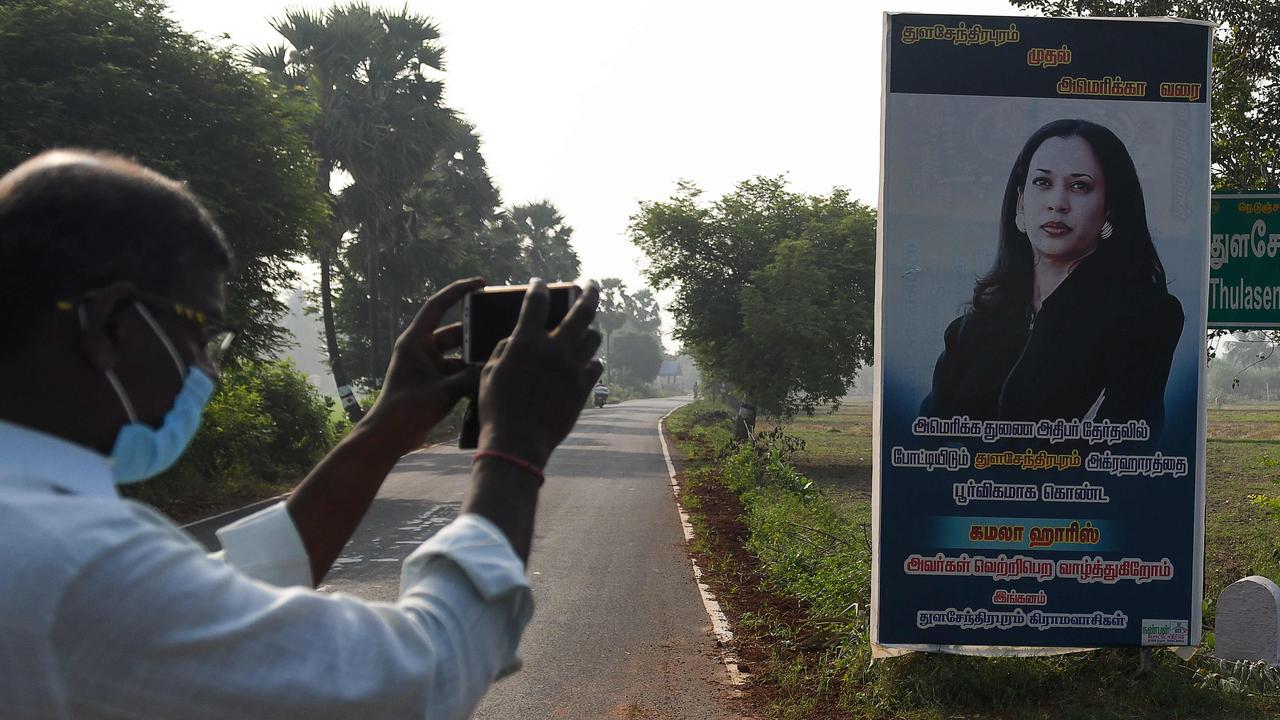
598, 105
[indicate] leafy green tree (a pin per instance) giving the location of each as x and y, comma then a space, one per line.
774, 290
119, 75
639, 358
1244, 366
545, 240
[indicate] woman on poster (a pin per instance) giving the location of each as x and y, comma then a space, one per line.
1074, 320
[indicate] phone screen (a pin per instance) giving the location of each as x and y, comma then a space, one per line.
490, 315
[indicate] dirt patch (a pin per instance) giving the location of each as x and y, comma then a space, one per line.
631, 711
736, 578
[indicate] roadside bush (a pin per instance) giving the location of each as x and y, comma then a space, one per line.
263, 429
622, 393
811, 548
712, 416
299, 415
705, 423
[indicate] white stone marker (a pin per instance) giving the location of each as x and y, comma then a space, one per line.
1248, 621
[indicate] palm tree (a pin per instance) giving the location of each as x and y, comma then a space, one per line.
442, 229
456, 223
545, 239
378, 117
613, 311
318, 62
645, 311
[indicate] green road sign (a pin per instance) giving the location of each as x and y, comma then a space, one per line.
1244, 261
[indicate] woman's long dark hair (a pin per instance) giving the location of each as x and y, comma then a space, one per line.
1129, 250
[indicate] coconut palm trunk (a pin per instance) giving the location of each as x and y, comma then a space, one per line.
340, 375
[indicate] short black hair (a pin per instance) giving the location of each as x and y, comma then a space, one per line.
73, 221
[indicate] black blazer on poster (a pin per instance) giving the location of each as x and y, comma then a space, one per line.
1100, 339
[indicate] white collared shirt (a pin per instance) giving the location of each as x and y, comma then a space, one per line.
108, 610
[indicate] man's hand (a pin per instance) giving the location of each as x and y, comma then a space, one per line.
536, 383
420, 388
422, 385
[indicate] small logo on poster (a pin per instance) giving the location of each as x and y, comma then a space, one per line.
1166, 632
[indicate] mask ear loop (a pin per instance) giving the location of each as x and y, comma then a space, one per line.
121, 395
168, 345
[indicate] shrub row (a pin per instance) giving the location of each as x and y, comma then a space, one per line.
264, 428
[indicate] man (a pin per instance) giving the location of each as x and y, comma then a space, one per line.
114, 296
601, 393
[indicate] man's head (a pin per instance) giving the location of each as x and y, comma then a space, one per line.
93, 244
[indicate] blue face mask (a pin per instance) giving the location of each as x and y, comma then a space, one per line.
141, 451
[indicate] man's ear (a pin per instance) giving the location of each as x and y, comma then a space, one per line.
101, 314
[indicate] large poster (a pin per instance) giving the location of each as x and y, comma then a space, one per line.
1039, 474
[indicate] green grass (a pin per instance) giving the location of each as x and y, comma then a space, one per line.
811, 544
1243, 460
837, 452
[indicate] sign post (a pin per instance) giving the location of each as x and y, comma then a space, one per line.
1244, 261
1041, 295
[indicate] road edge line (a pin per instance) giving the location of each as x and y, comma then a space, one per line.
719, 623
256, 504
250, 508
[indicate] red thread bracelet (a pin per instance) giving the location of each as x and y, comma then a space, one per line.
512, 460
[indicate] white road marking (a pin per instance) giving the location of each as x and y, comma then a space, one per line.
417, 526
719, 623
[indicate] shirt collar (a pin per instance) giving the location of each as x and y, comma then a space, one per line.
61, 463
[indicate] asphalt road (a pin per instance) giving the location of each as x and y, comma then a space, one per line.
619, 630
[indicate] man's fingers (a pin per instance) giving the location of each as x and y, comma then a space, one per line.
428, 317
452, 366
533, 314
581, 314
448, 338
499, 349
595, 369
462, 383
590, 344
